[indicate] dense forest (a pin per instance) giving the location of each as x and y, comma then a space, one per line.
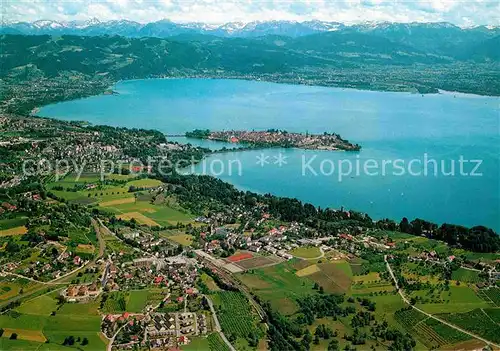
199, 192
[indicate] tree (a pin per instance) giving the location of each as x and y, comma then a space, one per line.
404, 225
70, 340
333, 345
85, 341
1, 332
316, 340
13, 336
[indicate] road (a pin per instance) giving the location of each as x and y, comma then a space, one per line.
112, 339
400, 291
217, 324
60, 280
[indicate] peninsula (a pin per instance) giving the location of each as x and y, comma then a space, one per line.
278, 138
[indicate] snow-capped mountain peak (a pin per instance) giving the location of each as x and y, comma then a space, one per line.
47, 24
92, 22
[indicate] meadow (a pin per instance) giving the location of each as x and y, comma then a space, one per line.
279, 284
53, 329
456, 299
147, 213
10, 223
466, 276
209, 282
10, 287
137, 300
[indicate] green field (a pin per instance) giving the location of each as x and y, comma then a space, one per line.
137, 300
161, 214
279, 285
182, 239
477, 322
57, 328
43, 305
79, 309
145, 183
24, 345
466, 275
10, 287
116, 302
457, 299
197, 344
209, 282
12, 222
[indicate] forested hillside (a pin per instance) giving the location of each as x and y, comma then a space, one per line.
37, 70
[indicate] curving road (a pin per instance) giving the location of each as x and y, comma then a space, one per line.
430, 315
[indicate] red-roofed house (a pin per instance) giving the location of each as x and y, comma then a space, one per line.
183, 340
110, 318
158, 280
77, 260
180, 299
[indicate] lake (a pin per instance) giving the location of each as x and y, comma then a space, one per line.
399, 133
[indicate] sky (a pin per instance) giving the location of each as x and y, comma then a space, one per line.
458, 12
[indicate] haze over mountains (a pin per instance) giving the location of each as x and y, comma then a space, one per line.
442, 39
71, 60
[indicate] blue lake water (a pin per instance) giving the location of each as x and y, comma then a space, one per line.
401, 130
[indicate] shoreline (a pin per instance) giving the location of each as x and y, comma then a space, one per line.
228, 150
336, 87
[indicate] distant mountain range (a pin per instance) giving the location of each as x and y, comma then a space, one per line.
167, 28
442, 39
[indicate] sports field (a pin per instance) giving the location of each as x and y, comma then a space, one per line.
307, 252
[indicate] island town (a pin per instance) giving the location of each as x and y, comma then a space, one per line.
278, 138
